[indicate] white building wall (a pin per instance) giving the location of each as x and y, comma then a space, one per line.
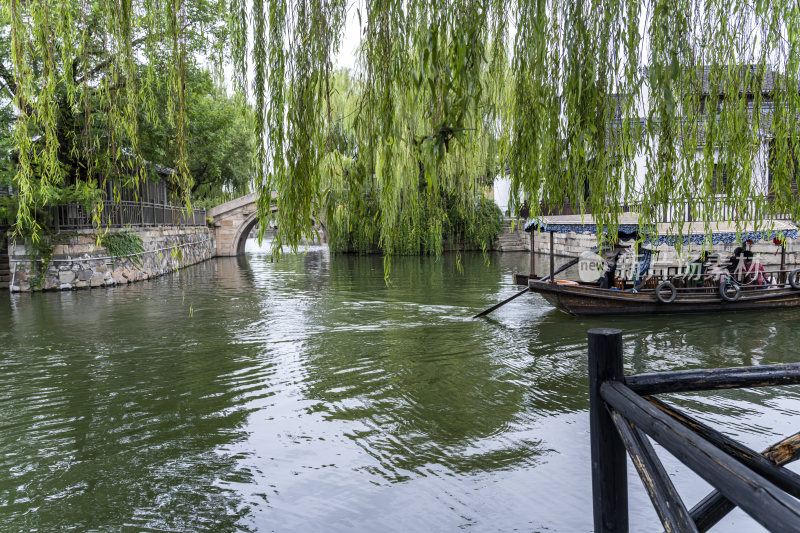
502, 192
760, 166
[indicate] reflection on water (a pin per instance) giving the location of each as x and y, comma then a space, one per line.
309, 395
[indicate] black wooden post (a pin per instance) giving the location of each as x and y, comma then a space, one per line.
533, 257
552, 260
609, 467
782, 276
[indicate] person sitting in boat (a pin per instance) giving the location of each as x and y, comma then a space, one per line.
702, 260
696, 270
735, 263
607, 281
755, 274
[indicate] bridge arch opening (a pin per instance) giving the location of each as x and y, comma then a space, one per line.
243, 232
246, 227
235, 220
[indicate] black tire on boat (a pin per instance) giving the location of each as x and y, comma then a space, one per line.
723, 291
794, 279
672, 292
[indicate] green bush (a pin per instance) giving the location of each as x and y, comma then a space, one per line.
124, 244
353, 225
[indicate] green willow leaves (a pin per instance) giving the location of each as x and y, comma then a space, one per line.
679, 109
83, 72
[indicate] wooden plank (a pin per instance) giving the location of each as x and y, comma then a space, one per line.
714, 379
521, 279
783, 478
758, 497
713, 508
656, 481
609, 468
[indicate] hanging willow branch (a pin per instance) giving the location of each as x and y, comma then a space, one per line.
702, 95
570, 97
78, 94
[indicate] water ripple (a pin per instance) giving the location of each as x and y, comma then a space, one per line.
308, 395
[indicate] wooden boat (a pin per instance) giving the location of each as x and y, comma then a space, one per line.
591, 299
585, 299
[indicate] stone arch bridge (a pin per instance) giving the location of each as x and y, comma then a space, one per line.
234, 220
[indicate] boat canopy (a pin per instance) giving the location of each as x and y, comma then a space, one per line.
722, 232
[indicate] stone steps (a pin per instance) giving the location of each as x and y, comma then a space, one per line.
512, 242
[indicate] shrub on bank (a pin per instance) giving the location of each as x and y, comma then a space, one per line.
353, 226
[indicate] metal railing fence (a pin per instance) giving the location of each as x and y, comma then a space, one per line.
122, 214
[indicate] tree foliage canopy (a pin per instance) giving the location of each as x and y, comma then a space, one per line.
219, 138
93, 110
563, 93
428, 209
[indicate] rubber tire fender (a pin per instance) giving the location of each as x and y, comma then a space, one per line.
793, 279
673, 292
723, 293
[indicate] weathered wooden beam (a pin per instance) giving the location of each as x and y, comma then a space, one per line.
785, 479
758, 497
713, 508
714, 379
656, 481
785, 451
710, 510
609, 467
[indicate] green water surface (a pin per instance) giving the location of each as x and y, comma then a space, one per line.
307, 395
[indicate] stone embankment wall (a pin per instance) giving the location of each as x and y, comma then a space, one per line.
78, 262
572, 244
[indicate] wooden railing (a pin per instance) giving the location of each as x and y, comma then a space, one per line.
121, 214
623, 413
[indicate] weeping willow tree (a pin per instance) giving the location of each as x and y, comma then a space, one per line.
82, 75
570, 96
427, 212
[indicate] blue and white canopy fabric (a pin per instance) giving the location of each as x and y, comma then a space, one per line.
726, 232
692, 232
628, 224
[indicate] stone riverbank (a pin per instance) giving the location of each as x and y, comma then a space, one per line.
77, 262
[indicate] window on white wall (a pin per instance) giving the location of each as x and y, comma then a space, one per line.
719, 179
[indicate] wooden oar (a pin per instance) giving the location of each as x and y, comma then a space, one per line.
523, 291
501, 304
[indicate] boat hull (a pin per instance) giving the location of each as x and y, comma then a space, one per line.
586, 300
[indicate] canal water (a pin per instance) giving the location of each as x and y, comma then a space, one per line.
242, 394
